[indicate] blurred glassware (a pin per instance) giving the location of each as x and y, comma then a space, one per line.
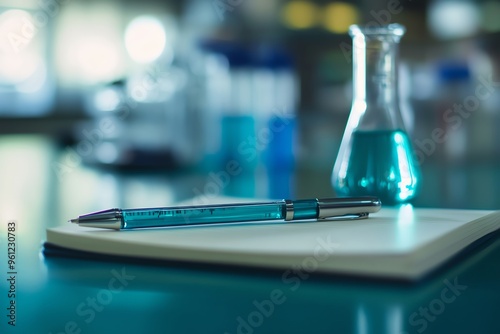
142, 121
275, 89
376, 156
251, 101
146, 119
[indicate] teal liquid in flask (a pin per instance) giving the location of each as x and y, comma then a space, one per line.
376, 156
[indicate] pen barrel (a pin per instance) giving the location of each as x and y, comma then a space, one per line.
199, 215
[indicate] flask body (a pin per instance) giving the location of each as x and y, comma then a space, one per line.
376, 156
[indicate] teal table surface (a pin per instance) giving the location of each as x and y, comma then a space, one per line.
42, 186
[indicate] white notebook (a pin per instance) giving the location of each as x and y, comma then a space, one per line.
404, 243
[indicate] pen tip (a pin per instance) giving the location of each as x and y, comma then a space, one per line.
74, 221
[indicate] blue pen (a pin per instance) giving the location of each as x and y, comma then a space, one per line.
283, 210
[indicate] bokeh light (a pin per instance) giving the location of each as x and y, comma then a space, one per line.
19, 56
339, 16
453, 19
300, 14
145, 39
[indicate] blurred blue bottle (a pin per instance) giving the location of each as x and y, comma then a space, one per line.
230, 121
275, 105
376, 155
238, 120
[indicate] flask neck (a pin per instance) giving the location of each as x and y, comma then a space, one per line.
375, 80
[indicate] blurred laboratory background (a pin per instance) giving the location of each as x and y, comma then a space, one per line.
241, 97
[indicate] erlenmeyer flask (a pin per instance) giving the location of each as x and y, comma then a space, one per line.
376, 156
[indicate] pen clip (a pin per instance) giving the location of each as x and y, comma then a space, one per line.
356, 216
347, 208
